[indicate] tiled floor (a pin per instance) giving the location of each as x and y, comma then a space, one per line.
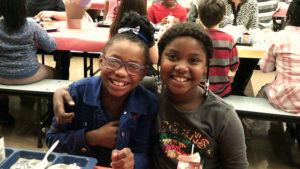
264, 151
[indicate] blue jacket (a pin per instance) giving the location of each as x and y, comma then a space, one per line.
134, 128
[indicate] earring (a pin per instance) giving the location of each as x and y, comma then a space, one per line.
206, 87
158, 82
159, 85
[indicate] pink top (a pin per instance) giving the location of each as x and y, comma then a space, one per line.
113, 6
157, 12
284, 55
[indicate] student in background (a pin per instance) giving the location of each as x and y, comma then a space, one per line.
111, 9
193, 12
36, 6
18, 60
139, 6
113, 113
225, 57
158, 12
242, 12
284, 56
266, 9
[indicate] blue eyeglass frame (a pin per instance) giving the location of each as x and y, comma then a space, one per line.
106, 58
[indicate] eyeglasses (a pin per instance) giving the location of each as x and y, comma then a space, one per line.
131, 67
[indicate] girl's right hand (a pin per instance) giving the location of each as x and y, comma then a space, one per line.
105, 136
60, 97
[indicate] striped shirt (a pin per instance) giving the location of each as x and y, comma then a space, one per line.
284, 55
266, 9
225, 59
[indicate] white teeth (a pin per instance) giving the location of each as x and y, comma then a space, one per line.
118, 83
180, 79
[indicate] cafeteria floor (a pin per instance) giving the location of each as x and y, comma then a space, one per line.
264, 151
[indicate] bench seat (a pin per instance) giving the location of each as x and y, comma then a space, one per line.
259, 108
43, 89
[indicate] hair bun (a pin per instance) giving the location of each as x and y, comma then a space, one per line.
133, 20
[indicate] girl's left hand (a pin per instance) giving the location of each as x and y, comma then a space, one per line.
122, 159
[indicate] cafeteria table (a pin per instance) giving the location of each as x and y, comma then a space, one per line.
251, 52
97, 4
88, 42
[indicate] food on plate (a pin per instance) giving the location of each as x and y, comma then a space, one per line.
46, 24
64, 166
25, 163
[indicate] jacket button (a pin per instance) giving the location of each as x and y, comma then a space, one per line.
123, 134
125, 112
85, 124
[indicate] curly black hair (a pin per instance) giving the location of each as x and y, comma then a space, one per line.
14, 13
132, 20
190, 29
139, 6
293, 13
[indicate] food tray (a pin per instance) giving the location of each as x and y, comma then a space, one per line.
81, 161
8, 152
55, 158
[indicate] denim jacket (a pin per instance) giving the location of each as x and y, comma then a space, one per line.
134, 128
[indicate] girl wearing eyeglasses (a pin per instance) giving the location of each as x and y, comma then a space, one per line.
113, 114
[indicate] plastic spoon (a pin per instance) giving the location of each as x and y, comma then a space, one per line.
43, 164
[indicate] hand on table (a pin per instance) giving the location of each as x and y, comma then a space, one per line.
44, 14
122, 159
105, 136
60, 97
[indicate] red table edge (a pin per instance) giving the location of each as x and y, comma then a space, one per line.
99, 167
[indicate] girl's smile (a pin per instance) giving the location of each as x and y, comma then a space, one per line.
118, 82
183, 63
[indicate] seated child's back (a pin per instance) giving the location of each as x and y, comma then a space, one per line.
225, 57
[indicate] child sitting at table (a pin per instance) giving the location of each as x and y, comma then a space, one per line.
190, 117
18, 62
284, 56
62, 15
36, 6
112, 111
111, 9
225, 57
158, 12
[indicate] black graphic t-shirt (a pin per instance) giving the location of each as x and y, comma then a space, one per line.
214, 129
